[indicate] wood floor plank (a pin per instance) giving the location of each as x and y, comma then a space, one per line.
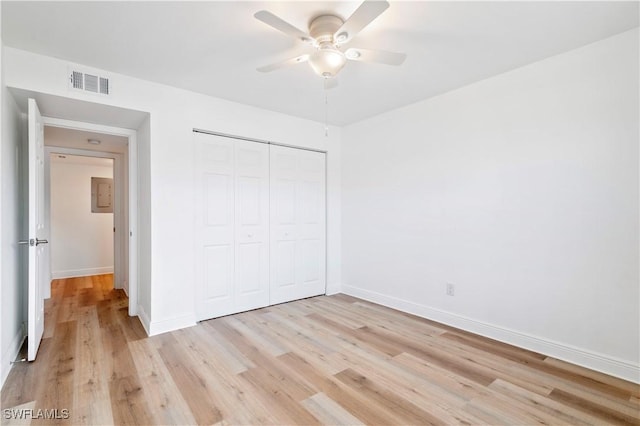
535, 361
321, 360
267, 366
280, 396
228, 355
444, 406
163, 397
271, 346
188, 379
352, 401
631, 388
328, 411
25, 378
302, 341
606, 413
437, 356
228, 390
557, 411
57, 392
408, 412
51, 309
91, 399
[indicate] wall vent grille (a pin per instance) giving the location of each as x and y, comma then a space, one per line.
89, 82
77, 80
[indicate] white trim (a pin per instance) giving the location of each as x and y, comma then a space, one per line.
71, 273
592, 360
10, 355
171, 324
144, 319
132, 192
333, 288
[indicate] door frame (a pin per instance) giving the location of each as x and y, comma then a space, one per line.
119, 221
131, 171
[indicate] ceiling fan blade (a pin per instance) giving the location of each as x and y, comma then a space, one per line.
282, 25
379, 56
297, 60
330, 83
363, 16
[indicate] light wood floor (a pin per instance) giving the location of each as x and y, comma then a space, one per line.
331, 360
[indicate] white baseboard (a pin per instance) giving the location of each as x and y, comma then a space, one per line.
144, 319
10, 355
615, 367
332, 288
171, 324
72, 273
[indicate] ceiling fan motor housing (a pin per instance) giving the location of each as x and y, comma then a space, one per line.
324, 27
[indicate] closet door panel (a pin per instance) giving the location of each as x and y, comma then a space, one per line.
297, 224
214, 226
312, 223
252, 225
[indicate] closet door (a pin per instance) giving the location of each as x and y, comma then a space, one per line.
298, 222
232, 205
251, 225
215, 164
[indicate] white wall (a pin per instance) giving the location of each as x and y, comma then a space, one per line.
11, 273
81, 241
144, 222
522, 191
173, 115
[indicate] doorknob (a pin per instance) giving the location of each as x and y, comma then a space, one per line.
27, 242
38, 242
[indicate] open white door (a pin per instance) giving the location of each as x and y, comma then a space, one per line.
36, 240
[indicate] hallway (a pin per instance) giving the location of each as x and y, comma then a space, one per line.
85, 319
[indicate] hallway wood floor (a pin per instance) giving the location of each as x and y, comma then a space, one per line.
331, 360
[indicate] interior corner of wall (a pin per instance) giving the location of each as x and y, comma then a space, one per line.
144, 319
333, 288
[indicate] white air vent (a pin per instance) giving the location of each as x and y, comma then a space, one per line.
77, 80
89, 82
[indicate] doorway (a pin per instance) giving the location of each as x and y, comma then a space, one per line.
97, 144
81, 214
84, 204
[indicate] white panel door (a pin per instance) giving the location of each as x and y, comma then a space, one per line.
232, 204
37, 267
251, 289
215, 207
298, 224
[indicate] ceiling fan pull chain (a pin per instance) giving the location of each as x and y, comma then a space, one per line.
326, 111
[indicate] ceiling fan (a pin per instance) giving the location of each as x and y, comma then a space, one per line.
328, 34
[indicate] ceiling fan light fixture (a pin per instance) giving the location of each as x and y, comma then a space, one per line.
327, 61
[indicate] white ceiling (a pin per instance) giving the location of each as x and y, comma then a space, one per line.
78, 139
77, 159
215, 47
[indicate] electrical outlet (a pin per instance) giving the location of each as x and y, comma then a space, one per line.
450, 289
